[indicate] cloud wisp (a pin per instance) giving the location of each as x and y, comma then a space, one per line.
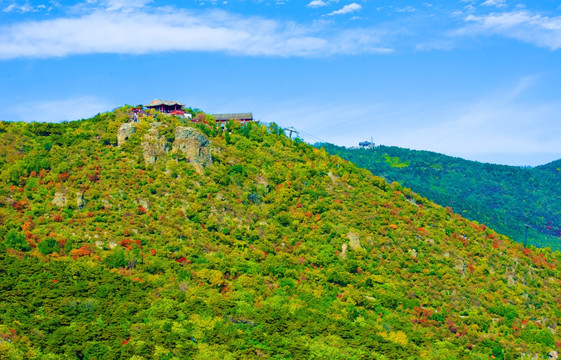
496, 3
499, 125
317, 3
535, 29
136, 30
347, 9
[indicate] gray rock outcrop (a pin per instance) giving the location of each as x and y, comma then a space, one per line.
125, 131
154, 146
354, 241
343, 253
80, 203
194, 145
61, 195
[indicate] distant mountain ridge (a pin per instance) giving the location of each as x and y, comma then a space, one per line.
501, 196
554, 165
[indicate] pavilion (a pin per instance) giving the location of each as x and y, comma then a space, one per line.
166, 106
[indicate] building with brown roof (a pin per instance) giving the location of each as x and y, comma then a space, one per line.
166, 106
243, 118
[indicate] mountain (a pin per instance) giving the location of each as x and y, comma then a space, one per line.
552, 166
166, 239
506, 198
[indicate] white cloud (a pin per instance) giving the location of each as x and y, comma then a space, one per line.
22, 9
347, 9
525, 26
124, 5
496, 3
406, 9
140, 32
317, 3
27, 7
9, 8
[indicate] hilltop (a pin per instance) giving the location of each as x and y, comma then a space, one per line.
179, 240
503, 197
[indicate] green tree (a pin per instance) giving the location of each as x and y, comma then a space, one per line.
48, 246
16, 240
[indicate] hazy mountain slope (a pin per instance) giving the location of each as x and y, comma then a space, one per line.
552, 166
270, 249
503, 197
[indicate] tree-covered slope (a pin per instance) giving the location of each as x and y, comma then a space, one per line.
552, 166
268, 249
506, 198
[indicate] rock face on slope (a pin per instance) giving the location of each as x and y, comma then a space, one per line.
154, 145
124, 132
80, 203
189, 141
60, 198
354, 241
194, 145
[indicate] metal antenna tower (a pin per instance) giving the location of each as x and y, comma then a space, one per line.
291, 130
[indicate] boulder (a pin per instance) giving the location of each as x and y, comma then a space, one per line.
144, 203
354, 241
194, 145
261, 180
461, 267
80, 203
343, 253
510, 277
332, 177
61, 195
124, 132
154, 146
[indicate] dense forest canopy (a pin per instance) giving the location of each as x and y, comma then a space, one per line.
165, 239
506, 198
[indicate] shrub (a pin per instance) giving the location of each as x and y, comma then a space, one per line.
48, 246
543, 336
116, 260
16, 240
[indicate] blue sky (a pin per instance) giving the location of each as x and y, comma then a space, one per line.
476, 79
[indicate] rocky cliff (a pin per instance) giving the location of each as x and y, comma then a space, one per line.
190, 142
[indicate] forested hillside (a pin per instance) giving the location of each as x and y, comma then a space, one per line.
506, 198
171, 240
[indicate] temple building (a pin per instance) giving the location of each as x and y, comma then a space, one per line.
166, 106
243, 118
